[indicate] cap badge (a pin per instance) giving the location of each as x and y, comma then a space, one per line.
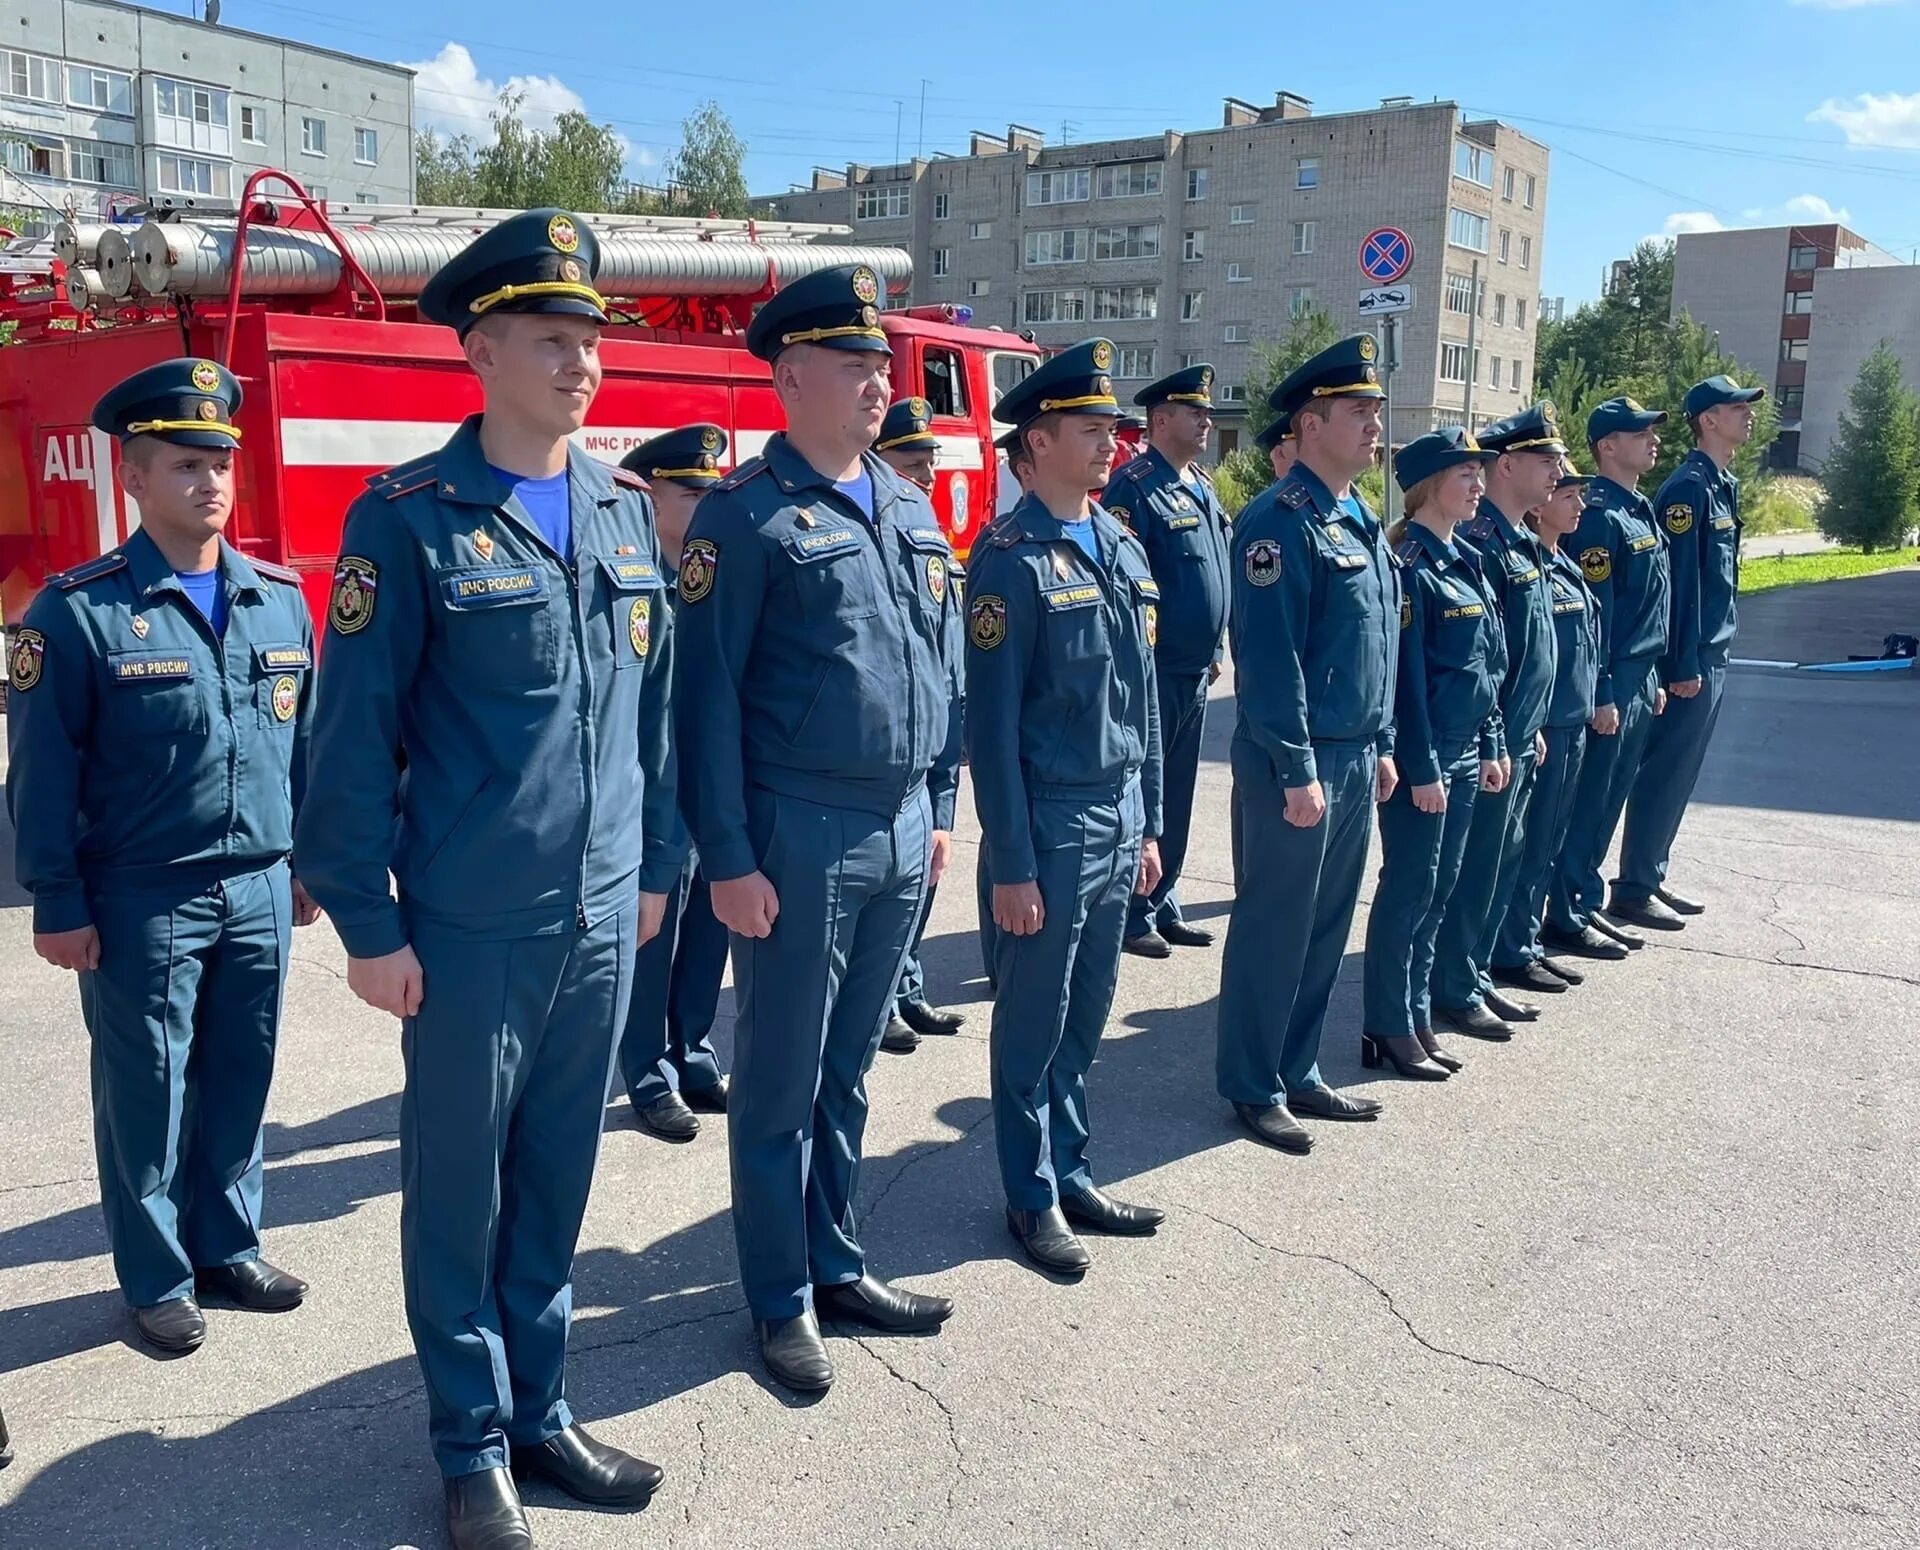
564, 234
206, 377
571, 272
866, 285
710, 439
1367, 347
1102, 356
208, 409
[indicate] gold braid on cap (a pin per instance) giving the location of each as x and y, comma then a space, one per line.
506, 293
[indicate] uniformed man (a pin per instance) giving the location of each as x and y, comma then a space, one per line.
909, 447
496, 673
1576, 628
1699, 507
158, 734
1280, 445
1166, 500
667, 1058
1316, 626
1063, 742
816, 708
1018, 463
1513, 563
1618, 547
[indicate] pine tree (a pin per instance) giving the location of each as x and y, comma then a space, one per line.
1872, 474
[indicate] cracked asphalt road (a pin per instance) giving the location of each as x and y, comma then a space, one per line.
1644, 1277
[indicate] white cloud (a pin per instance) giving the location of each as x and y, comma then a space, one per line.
1682, 222
1811, 207
1891, 122
452, 97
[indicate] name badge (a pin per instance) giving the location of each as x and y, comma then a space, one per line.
1644, 542
1524, 572
633, 570
475, 588
1079, 596
149, 669
1723, 522
822, 543
285, 656
1179, 524
1349, 561
1465, 611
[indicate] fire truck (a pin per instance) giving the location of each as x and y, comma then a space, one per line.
312, 306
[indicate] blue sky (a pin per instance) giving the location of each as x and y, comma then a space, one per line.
1660, 118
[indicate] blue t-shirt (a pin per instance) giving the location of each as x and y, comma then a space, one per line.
1081, 533
859, 490
1351, 506
203, 589
548, 502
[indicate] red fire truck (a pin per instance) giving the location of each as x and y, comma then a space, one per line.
311, 307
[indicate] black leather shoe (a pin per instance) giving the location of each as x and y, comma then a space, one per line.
1437, 1052
1587, 942
1405, 1053
252, 1284
1049, 1241
872, 1301
1561, 969
1180, 934
669, 1118
1474, 1021
1275, 1126
1649, 913
1510, 1010
1679, 902
174, 1326
1324, 1103
1613, 931
484, 1513
589, 1470
1530, 976
898, 1038
1097, 1209
708, 1100
1150, 944
931, 1021
795, 1353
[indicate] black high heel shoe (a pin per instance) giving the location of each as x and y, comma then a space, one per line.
1436, 1051
1407, 1055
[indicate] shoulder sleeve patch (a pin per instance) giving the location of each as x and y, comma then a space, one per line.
106, 565
1678, 517
1596, 563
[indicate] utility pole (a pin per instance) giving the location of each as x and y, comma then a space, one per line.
1473, 336
899, 109
920, 147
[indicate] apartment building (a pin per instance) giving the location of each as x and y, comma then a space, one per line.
104, 105
1788, 306
1200, 245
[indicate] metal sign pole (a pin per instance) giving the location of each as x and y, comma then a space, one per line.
1389, 363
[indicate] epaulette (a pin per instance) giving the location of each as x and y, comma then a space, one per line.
1480, 527
405, 478
1005, 533
275, 572
752, 468
67, 580
1136, 469
1408, 552
628, 478
1292, 496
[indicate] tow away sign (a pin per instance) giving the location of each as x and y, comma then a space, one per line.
1377, 300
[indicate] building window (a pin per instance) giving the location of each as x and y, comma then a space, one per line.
1473, 162
1196, 183
1528, 201
1306, 172
1506, 243
34, 157
1062, 245
1526, 251
1193, 247
1304, 233
1111, 302
253, 126
1190, 358
191, 118
887, 202
1137, 360
980, 230
29, 76
105, 91
1067, 185
1127, 180
1240, 215
1238, 274
1801, 259
1467, 230
1520, 312
979, 287
1499, 308
1460, 294
1190, 305
193, 175
313, 136
1453, 362
1496, 371
898, 303
366, 146
1126, 242
1053, 307
1799, 303
1793, 398
1235, 333
942, 262
940, 207
1793, 349
101, 161
1299, 300
1514, 377
1506, 185
319, 191
1233, 393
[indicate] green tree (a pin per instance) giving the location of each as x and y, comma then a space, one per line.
706, 175
1872, 475
577, 165
443, 170
1620, 336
